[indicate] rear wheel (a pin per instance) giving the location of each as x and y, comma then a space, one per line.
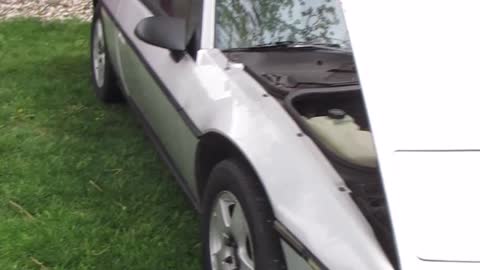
237, 222
104, 79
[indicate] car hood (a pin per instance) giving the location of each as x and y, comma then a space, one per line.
418, 66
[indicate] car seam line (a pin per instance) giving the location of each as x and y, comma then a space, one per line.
161, 150
297, 246
188, 121
159, 146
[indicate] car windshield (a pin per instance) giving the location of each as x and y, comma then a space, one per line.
254, 23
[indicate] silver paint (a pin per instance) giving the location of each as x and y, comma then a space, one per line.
172, 131
304, 190
302, 186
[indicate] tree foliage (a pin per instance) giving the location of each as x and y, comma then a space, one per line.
244, 23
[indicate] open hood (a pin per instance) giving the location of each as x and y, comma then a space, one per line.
418, 63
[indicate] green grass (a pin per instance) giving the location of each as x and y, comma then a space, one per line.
98, 195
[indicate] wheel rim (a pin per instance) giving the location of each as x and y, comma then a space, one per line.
99, 55
230, 244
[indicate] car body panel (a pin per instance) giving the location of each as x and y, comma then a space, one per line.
422, 104
154, 102
112, 36
220, 96
170, 128
236, 107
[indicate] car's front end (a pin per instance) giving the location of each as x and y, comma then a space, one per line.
281, 139
299, 57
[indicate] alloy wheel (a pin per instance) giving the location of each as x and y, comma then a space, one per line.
230, 242
99, 54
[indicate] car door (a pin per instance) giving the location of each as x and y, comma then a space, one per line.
156, 83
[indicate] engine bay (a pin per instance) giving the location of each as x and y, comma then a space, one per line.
337, 117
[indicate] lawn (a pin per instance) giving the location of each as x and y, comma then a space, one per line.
80, 186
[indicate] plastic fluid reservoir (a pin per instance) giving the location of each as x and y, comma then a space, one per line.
339, 133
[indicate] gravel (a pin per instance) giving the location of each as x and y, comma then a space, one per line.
46, 9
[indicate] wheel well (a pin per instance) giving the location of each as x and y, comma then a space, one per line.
212, 149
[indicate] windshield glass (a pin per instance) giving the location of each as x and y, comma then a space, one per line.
250, 23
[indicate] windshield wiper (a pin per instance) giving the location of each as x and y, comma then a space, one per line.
291, 45
288, 82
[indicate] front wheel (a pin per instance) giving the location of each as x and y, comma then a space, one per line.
237, 222
104, 79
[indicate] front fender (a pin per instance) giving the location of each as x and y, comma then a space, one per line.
302, 186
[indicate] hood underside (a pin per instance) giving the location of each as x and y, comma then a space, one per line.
284, 71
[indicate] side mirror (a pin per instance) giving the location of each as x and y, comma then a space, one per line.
163, 31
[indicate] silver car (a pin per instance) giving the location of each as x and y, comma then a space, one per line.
255, 105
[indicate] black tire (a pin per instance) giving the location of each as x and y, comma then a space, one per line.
237, 178
109, 92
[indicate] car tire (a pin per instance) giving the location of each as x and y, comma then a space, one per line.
233, 190
104, 79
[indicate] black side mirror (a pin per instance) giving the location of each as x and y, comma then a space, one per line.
163, 31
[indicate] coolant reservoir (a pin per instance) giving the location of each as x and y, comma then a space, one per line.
339, 133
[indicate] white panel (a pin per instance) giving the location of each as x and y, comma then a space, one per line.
418, 65
441, 203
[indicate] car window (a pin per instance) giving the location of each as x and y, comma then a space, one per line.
249, 23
